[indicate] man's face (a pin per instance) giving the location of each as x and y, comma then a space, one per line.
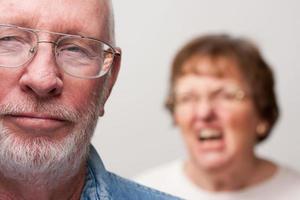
46, 114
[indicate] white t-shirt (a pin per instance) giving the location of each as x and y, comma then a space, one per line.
170, 178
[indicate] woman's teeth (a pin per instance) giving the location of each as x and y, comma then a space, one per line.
209, 134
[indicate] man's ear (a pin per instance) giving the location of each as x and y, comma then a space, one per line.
114, 70
111, 79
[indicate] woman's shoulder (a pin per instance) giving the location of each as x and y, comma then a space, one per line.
284, 184
287, 175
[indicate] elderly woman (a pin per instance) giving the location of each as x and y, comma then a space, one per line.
223, 101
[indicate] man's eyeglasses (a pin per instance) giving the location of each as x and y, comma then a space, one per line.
79, 56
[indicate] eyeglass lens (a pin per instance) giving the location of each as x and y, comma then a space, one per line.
78, 56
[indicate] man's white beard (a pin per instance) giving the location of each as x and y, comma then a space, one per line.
45, 161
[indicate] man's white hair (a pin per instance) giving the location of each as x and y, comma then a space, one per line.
45, 161
109, 22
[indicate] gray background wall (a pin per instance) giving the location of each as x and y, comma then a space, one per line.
136, 132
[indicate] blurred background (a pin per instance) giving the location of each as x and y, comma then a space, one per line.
136, 132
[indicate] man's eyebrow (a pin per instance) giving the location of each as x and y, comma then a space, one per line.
74, 29
18, 21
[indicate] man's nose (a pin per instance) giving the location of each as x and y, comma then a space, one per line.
42, 76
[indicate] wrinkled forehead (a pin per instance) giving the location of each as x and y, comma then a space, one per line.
84, 17
218, 66
205, 72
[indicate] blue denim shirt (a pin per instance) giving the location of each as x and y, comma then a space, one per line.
103, 185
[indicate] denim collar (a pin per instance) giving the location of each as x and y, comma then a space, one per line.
96, 178
104, 185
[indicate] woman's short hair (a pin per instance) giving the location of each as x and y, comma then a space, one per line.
254, 69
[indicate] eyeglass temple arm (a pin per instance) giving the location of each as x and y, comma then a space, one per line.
117, 53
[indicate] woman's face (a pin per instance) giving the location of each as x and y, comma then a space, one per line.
215, 114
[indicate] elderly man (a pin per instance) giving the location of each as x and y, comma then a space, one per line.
58, 65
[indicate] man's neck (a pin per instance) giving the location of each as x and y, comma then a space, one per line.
63, 189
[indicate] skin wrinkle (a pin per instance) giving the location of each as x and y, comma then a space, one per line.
233, 165
41, 106
49, 168
107, 34
20, 18
39, 163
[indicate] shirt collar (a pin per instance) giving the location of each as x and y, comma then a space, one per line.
96, 187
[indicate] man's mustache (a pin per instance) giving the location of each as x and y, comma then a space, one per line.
49, 109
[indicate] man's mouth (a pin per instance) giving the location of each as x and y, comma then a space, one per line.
35, 122
36, 116
209, 134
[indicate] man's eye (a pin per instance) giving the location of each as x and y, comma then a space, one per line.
11, 43
72, 49
9, 39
